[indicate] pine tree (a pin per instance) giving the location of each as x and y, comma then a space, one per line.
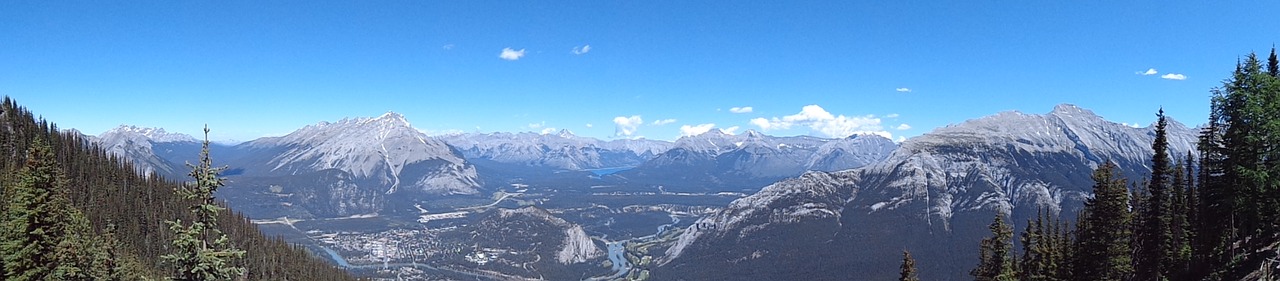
1273, 65
201, 251
32, 223
1039, 244
1102, 249
1154, 236
996, 253
908, 268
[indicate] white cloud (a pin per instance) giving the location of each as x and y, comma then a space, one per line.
626, 126
1134, 124
694, 130
1174, 76
589, 125
581, 50
511, 54
730, 130
744, 109
537, 125
1150, 71
904, 126
891, 115
902, 138
903, 90
663, 122
823, 123
548, 130
447, 47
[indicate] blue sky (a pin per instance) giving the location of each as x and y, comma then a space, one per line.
826, 68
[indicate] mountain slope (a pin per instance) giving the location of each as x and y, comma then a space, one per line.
932, 196
138, 145
110, 191
564, 150
353, 166
716, 160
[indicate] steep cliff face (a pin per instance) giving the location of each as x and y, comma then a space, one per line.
933, 196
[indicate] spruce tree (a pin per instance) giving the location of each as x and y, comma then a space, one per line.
201, 251
996, 253
908, 268
33, 224
1102, 249
1154, 239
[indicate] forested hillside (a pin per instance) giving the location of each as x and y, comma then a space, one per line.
73, 211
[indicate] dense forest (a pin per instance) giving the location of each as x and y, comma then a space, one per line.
71, 211
1209, 216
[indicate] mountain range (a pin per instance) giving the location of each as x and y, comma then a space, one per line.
933, 196
819, 208
370, 165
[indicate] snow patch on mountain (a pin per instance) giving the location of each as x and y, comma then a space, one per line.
379, 147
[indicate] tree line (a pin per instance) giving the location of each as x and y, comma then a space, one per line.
72, 211
1212, 215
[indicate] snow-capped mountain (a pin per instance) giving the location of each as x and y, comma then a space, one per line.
140, 145
754, 158
386, 148
343, 168
562, 150
933, 196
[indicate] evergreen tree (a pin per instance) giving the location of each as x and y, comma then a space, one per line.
32, 223
908, 268
1154, 236
1102, 249
201, 251
1273, 65
1039, 242
996, 253
1180, 251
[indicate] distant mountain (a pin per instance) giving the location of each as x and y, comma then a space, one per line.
144, 146
328, 169
353, 166
718, 160
933, 196
563, 151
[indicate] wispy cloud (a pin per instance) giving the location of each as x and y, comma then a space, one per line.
1174, 76
626, 126
904, 126
1150, 71
663, 122
511, 54
744, 109
589, 125
538, 125
730, 130
823, 123
581, 50
903, 90
447, 47
694, 130
891, 115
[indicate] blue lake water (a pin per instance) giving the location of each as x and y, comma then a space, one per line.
606, 171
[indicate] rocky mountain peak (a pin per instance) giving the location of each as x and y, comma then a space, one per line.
1071, 110
152, 134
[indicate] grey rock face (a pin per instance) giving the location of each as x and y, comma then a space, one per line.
933, 196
